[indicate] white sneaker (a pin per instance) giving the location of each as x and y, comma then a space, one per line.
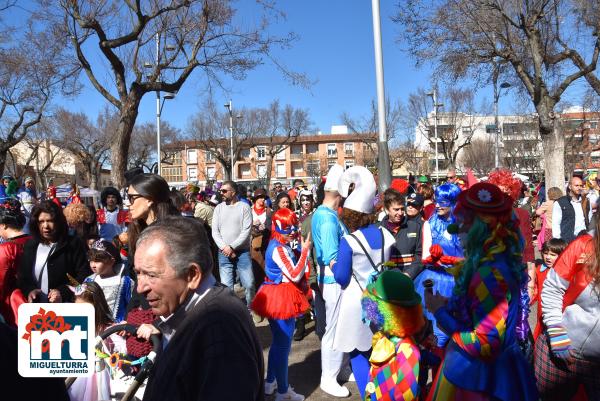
290, 395
270, 387
333, 388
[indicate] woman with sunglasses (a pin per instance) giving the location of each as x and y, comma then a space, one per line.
149, 201
281, 299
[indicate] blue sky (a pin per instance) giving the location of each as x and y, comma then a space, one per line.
335, 48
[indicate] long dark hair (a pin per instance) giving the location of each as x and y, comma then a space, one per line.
156, 189
61, 228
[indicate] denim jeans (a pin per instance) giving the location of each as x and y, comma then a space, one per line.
243, 264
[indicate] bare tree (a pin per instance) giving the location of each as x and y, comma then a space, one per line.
456, 123
209, 127
142, 150
155, 46
408, 155
370, 124
31, 71
530, 41
279, 128
88, 142
42, 151
521, 146
477, 156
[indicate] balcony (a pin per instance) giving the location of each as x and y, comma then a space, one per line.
296, 156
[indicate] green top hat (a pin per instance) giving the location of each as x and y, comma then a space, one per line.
395, 287
423, 179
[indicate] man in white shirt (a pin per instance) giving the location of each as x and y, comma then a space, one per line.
570, 213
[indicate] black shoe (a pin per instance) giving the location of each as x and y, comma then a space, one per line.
300, 329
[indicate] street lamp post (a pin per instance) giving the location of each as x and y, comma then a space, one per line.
384, 169
436, 105
229, 107
159, 104
498, 130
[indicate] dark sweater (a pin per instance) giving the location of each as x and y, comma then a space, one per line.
69, 256
214, 355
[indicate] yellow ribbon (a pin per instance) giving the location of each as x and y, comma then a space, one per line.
383, 349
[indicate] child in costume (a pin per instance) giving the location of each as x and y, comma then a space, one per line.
567, 352
437, 243
393, 309
483, 360
361, 256
550, 251
110, 274
281, 300
97, 386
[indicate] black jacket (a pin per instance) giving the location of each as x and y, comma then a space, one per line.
214, 355
408, 250
69, 256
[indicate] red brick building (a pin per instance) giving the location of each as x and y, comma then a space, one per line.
308, 157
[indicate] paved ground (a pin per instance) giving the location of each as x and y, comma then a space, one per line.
304, 365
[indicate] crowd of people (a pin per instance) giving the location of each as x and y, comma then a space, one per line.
421, 280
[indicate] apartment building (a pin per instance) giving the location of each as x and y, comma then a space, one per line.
308, 157
519, 142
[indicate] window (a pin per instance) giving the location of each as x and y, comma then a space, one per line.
466, 131
244, 153
348, 163
261, 152
192, 156
296, 149
245, 170
280, 155
330, 164
280, 170
312, 148
349, 149
297, 169
175, 158
261, 171
210, 156
331, 150
171, 174
211, 172
192, 173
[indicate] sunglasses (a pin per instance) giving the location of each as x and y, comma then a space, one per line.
451, 178
224, 191
133, 197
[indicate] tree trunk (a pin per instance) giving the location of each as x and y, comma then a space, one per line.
553, 144
120, 145
269, 168
94, 176
3, 154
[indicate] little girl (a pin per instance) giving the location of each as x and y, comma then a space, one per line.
109, 274
97, 386
550, 252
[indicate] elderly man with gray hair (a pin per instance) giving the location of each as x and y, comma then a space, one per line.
211, 348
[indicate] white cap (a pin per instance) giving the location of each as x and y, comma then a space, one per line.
333, 178
361, 198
